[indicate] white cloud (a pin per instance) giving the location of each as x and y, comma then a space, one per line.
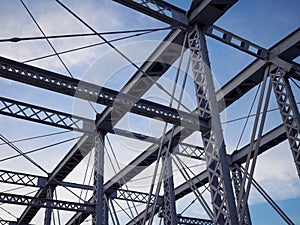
276, 173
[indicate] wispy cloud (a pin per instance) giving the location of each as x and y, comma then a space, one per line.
276, 173
54, 20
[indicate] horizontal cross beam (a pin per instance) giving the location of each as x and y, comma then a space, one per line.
25, 179
236, 42
206, 13
39, 181
73, 87
45, 116
135, 196
9, 222
22, 179
45, 203
22, 110
55, 118
160, 10
287, 49
191, 151
182, 220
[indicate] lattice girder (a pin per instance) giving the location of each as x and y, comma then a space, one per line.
223, 202
136, 196
80, 89
237, 181
99, 217
288, 111
191, 151
48, 211
47, 203
182, 220
169, 213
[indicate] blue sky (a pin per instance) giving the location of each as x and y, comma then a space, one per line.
262, 22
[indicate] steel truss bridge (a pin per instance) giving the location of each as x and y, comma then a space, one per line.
227, 178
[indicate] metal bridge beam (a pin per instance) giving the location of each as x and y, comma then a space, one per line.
155, 66
98, 194
287, 49
221, 190
237, 181
191, 151
45, 116
286, 54
31, 180
70, 86
207, 13
66, 165
46, 203
35, 181
63, 120
49, 211
160, 10
293, 40
132, 169
11, 177
269, 140
157, 63
237, 42
8, 222
135, 196
169, 206
288, 110
182, 220
55, 118
204, 12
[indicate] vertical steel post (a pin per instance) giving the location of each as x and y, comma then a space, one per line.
105, 211
237, 181
98, 216
223, 202
288, 110
169, 213
48, 211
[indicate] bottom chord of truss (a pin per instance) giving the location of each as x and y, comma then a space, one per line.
192, 221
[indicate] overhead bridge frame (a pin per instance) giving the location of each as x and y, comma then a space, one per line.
197, 22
